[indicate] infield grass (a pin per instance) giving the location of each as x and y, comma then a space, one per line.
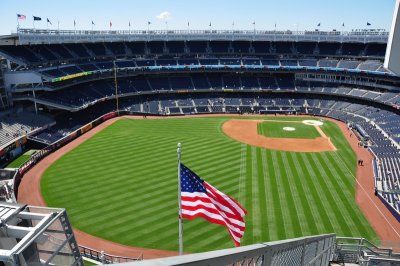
274, 129
121, 185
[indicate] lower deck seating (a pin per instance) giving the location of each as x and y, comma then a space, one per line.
14, 125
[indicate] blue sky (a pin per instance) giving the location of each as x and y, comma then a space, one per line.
287, 14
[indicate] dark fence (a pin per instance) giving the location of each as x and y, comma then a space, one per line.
105, 258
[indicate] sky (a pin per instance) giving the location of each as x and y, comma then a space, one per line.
175, 14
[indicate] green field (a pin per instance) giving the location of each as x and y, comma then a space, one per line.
121, 185
276, 130
21, 159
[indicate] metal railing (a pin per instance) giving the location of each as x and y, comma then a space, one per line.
363, 252
36, 36
105, 258
315, 250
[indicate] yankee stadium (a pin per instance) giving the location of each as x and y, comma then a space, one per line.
175, 141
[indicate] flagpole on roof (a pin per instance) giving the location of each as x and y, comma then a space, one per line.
179, 201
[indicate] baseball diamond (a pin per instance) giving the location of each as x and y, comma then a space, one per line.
132, 163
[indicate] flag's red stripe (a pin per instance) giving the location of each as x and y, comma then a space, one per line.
212, 220
204, 199
210, 200
214, 194
215, 216
213, 211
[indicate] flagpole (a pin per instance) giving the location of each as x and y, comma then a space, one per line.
179, 201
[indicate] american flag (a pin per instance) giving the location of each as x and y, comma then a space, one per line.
20, 16
200, 199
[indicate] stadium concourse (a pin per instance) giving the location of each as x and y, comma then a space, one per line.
58, 88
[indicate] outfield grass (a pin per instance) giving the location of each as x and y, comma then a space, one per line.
121, 185
21, 159
275, 130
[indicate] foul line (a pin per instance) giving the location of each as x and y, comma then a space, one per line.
376, 206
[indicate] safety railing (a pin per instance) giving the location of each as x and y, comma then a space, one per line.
105, 258
314, 250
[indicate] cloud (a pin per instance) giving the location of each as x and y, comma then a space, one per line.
164, 16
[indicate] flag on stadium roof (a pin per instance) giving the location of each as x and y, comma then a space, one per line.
37, 18
93, 23
74, 23
200, 199
110, 24
210, 24
129, 23
319, 24
343, 24
148, 22
48, 21
20, 16
368, 24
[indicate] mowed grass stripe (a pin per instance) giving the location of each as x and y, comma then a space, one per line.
270, 231
320, 199
332, 197
242, 175
302, 216
255, 195
291, 207
121, 185
343, 196
249, 194
261, 196
284, 205
311, 212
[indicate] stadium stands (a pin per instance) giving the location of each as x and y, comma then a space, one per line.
14, 125
177, 77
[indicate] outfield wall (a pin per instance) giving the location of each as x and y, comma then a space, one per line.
37, 157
